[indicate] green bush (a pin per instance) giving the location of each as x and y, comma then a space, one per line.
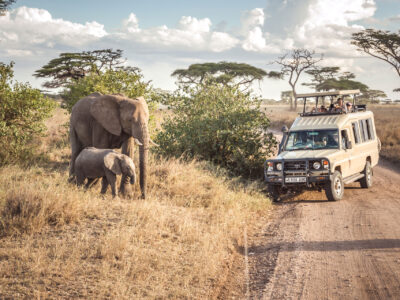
22, 112
124, 81
220, 124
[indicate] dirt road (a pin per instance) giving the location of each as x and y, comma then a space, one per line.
314, 249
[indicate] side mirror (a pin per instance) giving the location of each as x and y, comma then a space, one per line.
349, 145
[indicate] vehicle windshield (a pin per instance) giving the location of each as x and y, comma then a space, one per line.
313, 140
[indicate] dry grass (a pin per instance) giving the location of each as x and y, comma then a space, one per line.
58, 241
280, 115
387, 122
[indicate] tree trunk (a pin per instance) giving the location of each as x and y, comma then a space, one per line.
294, 99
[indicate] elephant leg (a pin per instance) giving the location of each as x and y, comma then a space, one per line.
104, 185
111, 178
89, 182
93, 182
76, 148
80, 179
127, 149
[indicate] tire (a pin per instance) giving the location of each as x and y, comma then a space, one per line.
274, 193
334, 189
366, 181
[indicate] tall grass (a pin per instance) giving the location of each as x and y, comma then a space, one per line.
59, 241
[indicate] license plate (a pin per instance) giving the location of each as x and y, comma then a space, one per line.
295, 179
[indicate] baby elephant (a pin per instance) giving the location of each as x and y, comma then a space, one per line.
93, 163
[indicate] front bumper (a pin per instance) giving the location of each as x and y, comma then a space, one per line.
306, 175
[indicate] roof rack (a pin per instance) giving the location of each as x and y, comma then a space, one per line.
330, 94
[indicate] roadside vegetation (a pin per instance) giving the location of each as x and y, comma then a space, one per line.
59, 241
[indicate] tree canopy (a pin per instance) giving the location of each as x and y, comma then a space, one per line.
73, 66
226, 73
341, 84
320, 74
371, 96
384, 45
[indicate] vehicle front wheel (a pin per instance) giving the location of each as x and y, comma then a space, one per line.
274, 192
366, 181
334, 189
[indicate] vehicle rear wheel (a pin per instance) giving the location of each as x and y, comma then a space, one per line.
366, 181
274, 192
334, 189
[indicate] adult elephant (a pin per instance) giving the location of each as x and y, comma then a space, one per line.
111, 121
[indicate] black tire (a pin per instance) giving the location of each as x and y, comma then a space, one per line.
366, 181
274, 192
334, 189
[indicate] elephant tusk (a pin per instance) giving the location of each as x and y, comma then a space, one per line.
154, 144
137, 142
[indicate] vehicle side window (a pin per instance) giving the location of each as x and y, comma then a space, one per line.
356, 132
363, 136
365, 130
345, 138
370, 128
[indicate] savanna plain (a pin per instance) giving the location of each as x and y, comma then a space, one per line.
60, 241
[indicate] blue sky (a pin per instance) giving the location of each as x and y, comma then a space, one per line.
161, 36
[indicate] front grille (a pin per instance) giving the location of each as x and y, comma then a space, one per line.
299, 165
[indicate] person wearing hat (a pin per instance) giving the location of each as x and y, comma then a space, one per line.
349, 107
339, 106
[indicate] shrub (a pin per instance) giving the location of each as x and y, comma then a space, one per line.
127, 81
22, 112
220, 124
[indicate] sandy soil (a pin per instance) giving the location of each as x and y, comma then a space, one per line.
315, 249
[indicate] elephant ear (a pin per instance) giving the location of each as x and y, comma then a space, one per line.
112, 162
105, 110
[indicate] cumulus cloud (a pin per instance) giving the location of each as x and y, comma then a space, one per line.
255, 39
329, 25
26, 27
191, 34
252, 19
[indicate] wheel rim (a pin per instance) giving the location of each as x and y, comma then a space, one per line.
369, 175
338, 186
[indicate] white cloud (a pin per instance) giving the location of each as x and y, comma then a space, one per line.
26, 27
251, 19
192, 34
132, 23
255, 40
328, 27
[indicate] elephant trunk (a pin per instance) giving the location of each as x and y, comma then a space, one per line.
143, 157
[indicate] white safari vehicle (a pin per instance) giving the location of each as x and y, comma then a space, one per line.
325, 149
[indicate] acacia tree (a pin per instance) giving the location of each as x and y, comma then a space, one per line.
70, 67
320, 74
226, 73
384, 45
371, 96
292, 65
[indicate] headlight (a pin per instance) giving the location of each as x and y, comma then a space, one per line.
270, 167
316, 165
279, 166
326, 164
